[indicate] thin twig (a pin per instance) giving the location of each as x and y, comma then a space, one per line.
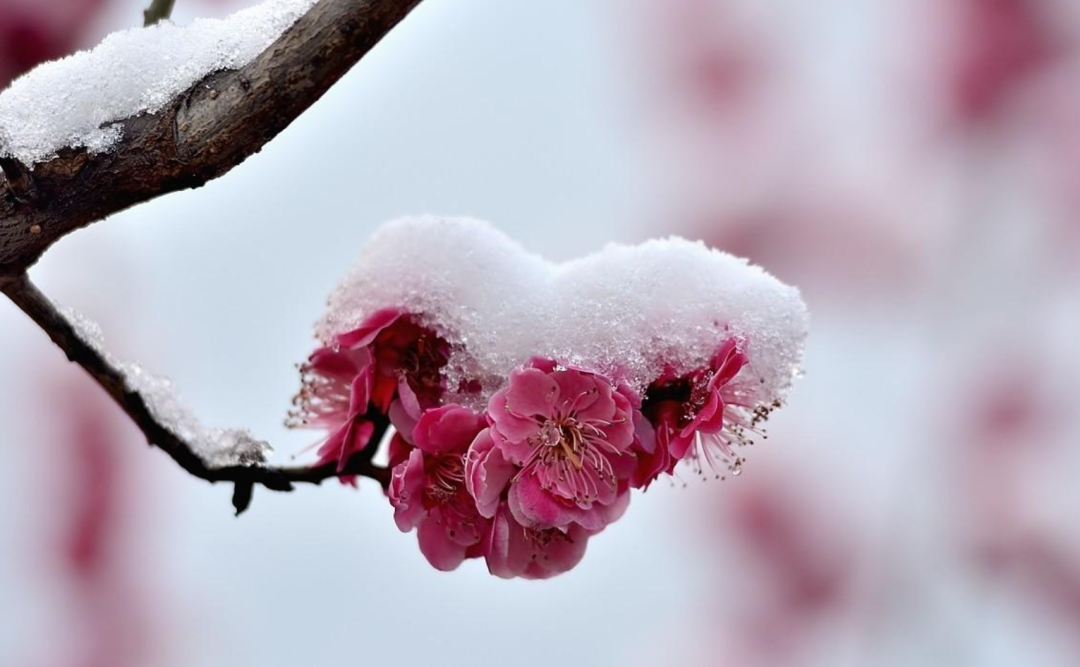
159, 10
42, 311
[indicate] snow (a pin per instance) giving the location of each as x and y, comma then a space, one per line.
77, 101
626, 311
218, 448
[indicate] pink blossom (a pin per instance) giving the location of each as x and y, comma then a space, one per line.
566, 435
513, 550
697, 415
409, 360
428, 489
999, 45
389, 367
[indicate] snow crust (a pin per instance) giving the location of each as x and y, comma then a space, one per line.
628, 312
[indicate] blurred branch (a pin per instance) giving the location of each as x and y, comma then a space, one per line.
42, 311
159, 10
202, 134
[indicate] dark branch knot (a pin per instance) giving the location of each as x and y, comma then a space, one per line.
20, 182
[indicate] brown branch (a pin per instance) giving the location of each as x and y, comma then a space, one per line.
20, 183
159, 10
32, 302
203, 133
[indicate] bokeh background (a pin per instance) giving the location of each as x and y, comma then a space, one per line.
913, 165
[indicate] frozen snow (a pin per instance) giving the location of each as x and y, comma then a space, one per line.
217, 447
626, 311
76, 101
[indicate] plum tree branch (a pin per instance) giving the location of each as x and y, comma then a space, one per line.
42, 311
202, 134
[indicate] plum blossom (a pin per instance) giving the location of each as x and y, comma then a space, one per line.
698, 415
563, 438
997, 46
387, 368
549, 464
513, 550
549, 461
428, 490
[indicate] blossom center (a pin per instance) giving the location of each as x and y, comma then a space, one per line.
447, 477
563, 438
422, 361
541, 539
570, 458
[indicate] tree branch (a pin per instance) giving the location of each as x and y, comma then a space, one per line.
42, 311
20, 183
202, 134
159, 10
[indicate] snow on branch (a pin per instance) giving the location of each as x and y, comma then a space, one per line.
171, 108
215, 455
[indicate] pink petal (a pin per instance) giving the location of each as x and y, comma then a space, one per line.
510, 427
532, 506
612, 512
399, 450
450, 428
487, 474
531, 392
404, 423
729, 361
407, 492
366, 333
351, 437
502, 547
340, 364
652, 457
442, 552
709, 418
361, 392
512, 550
578, 392
562, 554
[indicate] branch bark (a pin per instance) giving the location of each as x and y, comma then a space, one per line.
159, 10
205, 132
42, 311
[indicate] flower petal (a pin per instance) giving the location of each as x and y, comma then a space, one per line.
533, 506
510, 427
450, 428
440, 550
487, 473
407, 492
366, 333
531, 392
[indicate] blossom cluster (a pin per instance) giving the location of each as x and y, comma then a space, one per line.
549, 462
